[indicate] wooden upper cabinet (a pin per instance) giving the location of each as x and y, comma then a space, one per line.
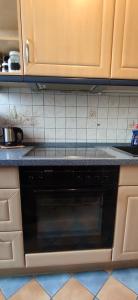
67, 37
125, 40
10, 32
126, 229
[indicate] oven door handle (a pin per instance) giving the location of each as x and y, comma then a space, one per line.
68, 190
101, 191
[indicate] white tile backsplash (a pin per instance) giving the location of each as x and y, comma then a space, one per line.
50, 123
81, 111
37, 99
102, 112
60, 100
26, 99
71, 111
49, 99
71, 122
124, 102
93, 101
81, 123
49, 111
113, 101
68, 117
38, 111
71, 100
101, 134
71, 134
103, 101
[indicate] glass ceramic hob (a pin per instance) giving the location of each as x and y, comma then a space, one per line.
69, 153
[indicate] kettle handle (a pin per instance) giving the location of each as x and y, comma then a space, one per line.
18, 130
0, 134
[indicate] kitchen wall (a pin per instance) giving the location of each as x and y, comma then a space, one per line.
71, 117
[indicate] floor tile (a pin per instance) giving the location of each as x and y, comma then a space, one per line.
31, 291
73, 290
129, 277
92, 280
1, 296
115, 290
52, 283
9, 285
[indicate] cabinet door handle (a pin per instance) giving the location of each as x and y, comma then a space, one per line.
27, 51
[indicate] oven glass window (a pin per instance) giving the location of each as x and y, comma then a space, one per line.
67, 220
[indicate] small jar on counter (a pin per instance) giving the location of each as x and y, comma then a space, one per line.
14, 61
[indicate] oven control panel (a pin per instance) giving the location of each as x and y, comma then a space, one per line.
69, 177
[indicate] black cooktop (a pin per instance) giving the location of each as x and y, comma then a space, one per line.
71, 153
132, 150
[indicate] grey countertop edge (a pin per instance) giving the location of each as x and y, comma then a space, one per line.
15, 157
68, 162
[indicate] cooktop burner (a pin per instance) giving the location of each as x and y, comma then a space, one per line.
71, 153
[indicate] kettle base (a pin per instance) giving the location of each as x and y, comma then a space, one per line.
3, 146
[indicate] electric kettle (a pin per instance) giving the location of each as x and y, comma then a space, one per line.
11, 136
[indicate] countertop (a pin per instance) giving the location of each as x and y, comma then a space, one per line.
17, 157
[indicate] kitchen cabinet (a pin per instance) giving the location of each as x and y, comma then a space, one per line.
126, 229
10, 31
10, 210
73, 38
11, 250
9, 178
125, 41
11, 236
67, 38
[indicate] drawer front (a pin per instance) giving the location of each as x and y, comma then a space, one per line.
128, 175
11, 250
9, 178
10, 210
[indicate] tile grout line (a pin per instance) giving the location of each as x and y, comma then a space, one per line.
124, 285
24, 284
46, 292
61, 287
102, 286
3, 295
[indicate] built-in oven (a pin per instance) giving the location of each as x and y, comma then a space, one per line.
68, 208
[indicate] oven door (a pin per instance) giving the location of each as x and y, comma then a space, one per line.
67, 219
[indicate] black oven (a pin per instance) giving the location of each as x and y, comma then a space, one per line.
68, 208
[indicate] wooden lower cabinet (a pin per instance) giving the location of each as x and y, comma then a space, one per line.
126, 229
10, 210
11, 236
11, 250
9, 178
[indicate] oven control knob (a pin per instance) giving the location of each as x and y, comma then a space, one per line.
31, 178
105, 179
78, 179
89, 178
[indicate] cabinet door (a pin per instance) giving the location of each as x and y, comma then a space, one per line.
11, 250
125, 40
126, 229
67, 37
10, 210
